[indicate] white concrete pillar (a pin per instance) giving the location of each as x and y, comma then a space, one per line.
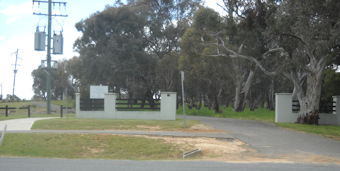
168, 105
283, 108
110, 103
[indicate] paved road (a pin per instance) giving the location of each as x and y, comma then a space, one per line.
266, 139
33, 164
269, 140
20, 124
273, 141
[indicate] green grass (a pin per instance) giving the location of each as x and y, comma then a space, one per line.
15, 104
260, 114
70, 102
110, 124
323, 130
96, 146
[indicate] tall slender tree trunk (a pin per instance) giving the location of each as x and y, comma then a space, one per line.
241, 91
271, 95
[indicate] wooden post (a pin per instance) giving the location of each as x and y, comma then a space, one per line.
29, 110
61, 111
6, 110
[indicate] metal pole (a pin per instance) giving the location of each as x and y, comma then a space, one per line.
3, 134
48, 80
15, 70
182, 76
66, 103
1, 92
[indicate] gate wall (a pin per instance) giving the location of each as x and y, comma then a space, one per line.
284, 110
167, 111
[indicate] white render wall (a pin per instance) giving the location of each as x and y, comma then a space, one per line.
167, 111
284, 113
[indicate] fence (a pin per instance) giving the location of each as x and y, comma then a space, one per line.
137, 104
7, 112
286, 110
7, 108
125, 109
92, 104
326, 107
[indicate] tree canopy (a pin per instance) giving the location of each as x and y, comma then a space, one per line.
257, 49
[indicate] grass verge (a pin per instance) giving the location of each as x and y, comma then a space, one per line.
323, 130
111, 124
81, 146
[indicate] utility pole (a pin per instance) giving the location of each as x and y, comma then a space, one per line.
182, 80
15, 70
48, 57
1, 92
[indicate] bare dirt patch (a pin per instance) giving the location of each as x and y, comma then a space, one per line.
214, 148
151, 128
234, 150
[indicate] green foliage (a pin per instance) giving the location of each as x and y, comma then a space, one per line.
59, 82
124, 46
331, 85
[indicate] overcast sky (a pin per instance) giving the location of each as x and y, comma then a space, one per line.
18, 25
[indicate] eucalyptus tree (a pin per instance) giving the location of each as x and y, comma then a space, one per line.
39, 83
207, 77
112, 48
303, 37
244, 28
122, 45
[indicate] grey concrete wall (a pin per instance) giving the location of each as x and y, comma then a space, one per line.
167, 111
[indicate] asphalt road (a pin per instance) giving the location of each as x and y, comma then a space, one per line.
273, 141
33, 164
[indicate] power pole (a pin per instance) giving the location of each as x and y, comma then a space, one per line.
15, 69
1, 92
48, 57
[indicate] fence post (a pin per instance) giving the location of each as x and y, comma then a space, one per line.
29, 110
61, 111
6, 110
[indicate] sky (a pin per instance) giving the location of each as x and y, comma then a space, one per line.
17, 28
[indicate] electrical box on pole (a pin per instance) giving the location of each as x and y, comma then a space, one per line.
39, 40
57, 44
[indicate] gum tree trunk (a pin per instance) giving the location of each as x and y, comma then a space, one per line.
242, 90
310, 99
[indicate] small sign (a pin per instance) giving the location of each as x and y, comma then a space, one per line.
97, 92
